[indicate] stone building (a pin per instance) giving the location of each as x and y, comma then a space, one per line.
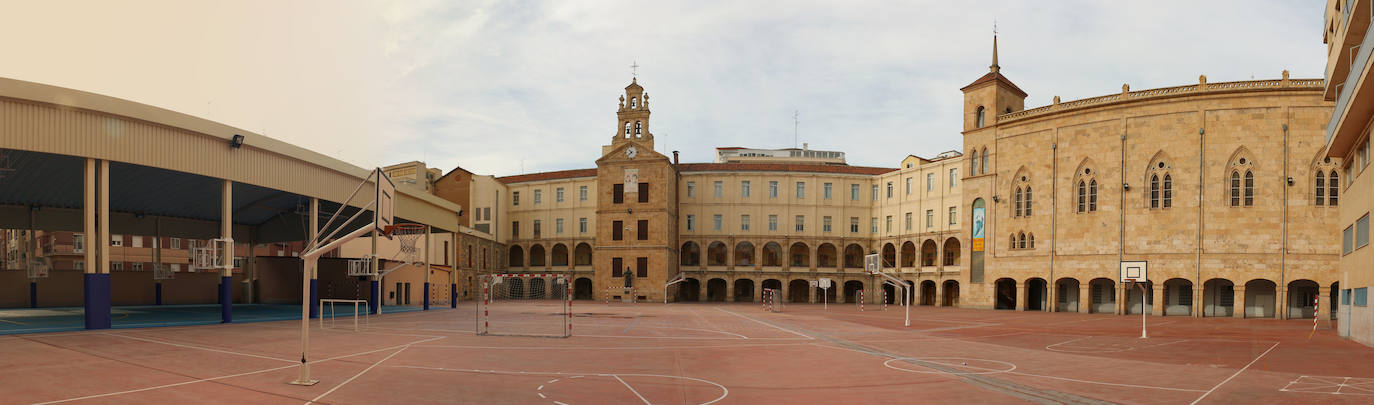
1349, 43
1224, 189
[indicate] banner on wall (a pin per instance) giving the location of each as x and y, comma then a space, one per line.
978, 228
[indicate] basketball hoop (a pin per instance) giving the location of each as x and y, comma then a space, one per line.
409, 234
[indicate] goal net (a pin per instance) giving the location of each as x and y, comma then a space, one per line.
525, 305
772, 300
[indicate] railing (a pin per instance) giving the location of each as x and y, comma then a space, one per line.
1351, 79
1201, 88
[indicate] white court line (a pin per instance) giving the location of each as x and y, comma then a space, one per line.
765, 323
198, 347
632, 389
225, 376
574, 348
1228, 379
360, 374
708, 321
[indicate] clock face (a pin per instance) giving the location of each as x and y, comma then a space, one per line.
631, 152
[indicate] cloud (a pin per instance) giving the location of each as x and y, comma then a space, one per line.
495, 86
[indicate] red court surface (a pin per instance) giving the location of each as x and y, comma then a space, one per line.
701, 354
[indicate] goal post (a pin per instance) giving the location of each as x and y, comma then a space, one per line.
534, 305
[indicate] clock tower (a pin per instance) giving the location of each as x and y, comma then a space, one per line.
636, 214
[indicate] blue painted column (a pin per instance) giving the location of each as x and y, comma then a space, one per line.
314, 298
453, 295
33, 294
426, 297
157, 294
376, 301
97, 299
226, 299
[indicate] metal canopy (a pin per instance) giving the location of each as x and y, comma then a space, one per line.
146, 200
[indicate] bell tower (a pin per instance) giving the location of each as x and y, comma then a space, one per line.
990, 96
632, 117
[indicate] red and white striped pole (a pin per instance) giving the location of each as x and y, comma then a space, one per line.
884, 300
861, 300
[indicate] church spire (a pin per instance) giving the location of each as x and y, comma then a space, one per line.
994, 67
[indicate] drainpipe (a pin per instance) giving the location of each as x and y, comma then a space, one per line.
1199, 286
1121, 232
1283, 238
1054, 211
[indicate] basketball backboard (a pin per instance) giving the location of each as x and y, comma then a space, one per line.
1135, 271
871, 264
386, 196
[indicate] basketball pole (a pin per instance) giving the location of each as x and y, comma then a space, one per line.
1143, 335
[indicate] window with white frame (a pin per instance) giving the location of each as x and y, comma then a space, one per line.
717, 222
827, 190
116, 240
801, 190
953, 177
581, 193
717, 188
854, 192
78, 243
853, 224
538, 196
801, 222
176, 243
825, 224
558, 195
930, 219
930, 181
691, 222
772, 189
744, 222
873, 222
691, 189
953, 215
908, 221
772, 223
558, 226
582, 225
744, 189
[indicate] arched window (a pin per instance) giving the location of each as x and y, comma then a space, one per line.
1332, 185
1235, 189
983, 168
1082, 196
973, 163
1249, 189
1013, 241
627, 129
1154, 191
1030, 241
1017, 213
979, 119
1028, 201
1092, 195
1021, 241
1321, 188
637, 129
1168, 199
633, 103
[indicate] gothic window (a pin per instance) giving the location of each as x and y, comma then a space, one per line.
1017, 212
979, 123
1092, 195
637, 128
1028, 201
1321, 188
633, 103
1087, 191
1030, 241
1013, 241
1249, 189
1021, 241
1332, 185
1082, 196
1242, 180
1154, 191
983, 164
1168, 196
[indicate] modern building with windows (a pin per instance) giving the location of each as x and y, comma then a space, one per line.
1349, 43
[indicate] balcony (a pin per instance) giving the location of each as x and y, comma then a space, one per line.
1355, 102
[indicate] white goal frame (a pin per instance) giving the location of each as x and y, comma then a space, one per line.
356, 308
483, 325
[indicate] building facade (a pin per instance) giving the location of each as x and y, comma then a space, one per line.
1348, 39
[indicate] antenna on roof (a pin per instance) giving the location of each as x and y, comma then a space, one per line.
796, 121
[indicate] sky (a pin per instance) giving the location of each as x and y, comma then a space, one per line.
510, 87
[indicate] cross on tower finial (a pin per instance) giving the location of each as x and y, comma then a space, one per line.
634, 70
994, 27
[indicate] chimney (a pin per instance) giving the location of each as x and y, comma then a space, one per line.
806, 146
674, 157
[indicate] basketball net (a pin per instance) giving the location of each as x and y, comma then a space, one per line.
409, 237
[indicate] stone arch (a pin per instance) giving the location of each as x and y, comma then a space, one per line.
929, 253
800, 255
952, 251
582, 254
1240, 178
1218, 297
560, 255
1085, 186
908, 257
851, 291
1260, 298
771, 284
1067, 299
716, 255
1302, 296
744, 290
927, 293
825, 256
582, 288
1037, 294
772, 254
798, 291
715, 290
1005, 294
744, 254
1178, 297
689, 254
889, 255
1102, 296
950, 296
689, 290
536, 255
517, 256
1158, 180
853, 256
